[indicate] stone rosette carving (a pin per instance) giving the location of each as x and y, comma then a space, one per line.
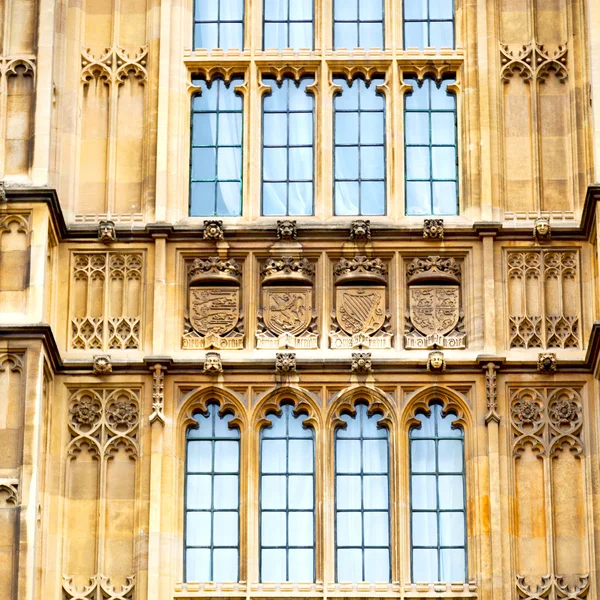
212, 364
361, 362
287, 318
433, 229
436, 363
287, 230
546, 362
102, 364
434, 318
122, 414
541, 229
86, 411
107, 234
214, 318
361, 318
213, 230
285, 362
360, 230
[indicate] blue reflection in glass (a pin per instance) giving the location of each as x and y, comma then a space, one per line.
288, 24
219, 24
428, 23
358, 24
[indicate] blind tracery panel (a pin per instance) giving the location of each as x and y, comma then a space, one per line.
438, 513
287, 499
212, 499
362, 499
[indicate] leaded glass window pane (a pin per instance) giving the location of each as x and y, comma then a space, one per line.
219, 24
428, 23
438, 514
362, 499
359, 152
288, 24
431, 157
216, 150
287, 499
358, 24
212, 499
288, 148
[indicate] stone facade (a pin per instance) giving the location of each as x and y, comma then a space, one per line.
106, 355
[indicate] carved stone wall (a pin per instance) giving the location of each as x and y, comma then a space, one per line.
546, 425
15, 231
101, 494
544, 299
106, 301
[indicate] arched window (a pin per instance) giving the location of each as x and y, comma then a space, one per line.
288, 148
437, 484
358, 24
431, 169
428, 24
288, 24
362, 499
212, 499
287, 499
216, 150
359, 137
219, 24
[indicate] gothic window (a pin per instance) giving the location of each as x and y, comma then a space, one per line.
437, 480
216, 150
288, 24
359, 138
288, 147
358, 24
428, 23
287, 499
362, 499
212, 499
431, 148
219, 24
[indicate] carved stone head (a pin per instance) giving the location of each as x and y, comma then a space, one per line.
546, 362
106, 232
360, 230
436, 363
361, 362
212, 363
286, 230
102, 364
213, 230
542, 229
285, 362
433, 229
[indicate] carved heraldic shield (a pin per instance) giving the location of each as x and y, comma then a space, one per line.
360, 310
434, 309
287, 310
214, 310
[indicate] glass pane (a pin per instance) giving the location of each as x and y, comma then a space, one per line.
450, 458
199, 458
297, 429
422, 456
276, 36
300, 199
300, 459
370, 35
444, 163
445, 428
348, 492
204, 129
274, 164
441, 35
301, 10
425, 566
419, 97
427, 429
377, 565
227, 457
443, 130
301, 35
370, 10
197, 564
445, 198
423, 492
375, 456
440, 98
225, 565
441, 9
229, 99
222, 428
273, 529
301, 164
276, 100
206, 36
372, 162
229, 163
277, 427
226, 491
275, 129
418, 198
199, 491
417, 127
417, 162
273, 563
225, 529
274, 199
346, 10
204, 163
346, 163
276, 10
352, 429
230, 129
348, 456
415, 9
273, 492
345, 35
301, 565
415, 35
376, 529
206, 10
301, 129
452, 529
371, 128
274, 456
301, 529
424, 529
349, 529
346, 198
346, 128
452, 563
301, 494
451, 491
349, 565
299, 99
372, 201
376, 492
348, 98
232, 36
198, 529
232, 10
